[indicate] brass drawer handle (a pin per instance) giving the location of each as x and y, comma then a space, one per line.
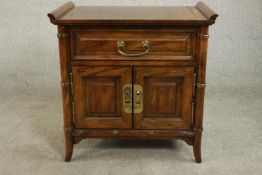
121, 45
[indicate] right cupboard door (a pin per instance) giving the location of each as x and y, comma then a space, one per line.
163, 97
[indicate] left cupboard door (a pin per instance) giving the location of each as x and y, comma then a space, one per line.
99, 96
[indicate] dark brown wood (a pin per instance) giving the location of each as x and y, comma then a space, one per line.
200, 92
185, 135
98, 96
206, 11
60, 11
180, 62
167, 97
81, 134
165, 85
137, 15
163, 43
63, 38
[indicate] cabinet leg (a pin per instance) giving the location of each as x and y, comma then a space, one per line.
68, 146
197, 147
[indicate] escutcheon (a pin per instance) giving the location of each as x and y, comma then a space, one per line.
138, 98
127, 98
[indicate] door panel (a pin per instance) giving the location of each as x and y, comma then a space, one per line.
165, 91
98, 96
167, 97
102, 97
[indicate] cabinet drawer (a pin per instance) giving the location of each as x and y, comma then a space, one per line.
132, 44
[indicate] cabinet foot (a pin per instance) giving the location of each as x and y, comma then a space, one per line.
68, 146
197, 147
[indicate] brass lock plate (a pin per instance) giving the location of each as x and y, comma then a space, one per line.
138, 98
127, 98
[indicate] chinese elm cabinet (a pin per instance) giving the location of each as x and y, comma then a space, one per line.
133, 72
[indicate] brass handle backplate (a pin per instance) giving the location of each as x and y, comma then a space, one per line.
138, 98
121, 45
127, 98
132, 98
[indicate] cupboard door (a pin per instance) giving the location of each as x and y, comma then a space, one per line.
98, 96
166, 94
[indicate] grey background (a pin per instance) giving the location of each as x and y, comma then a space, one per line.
29, 54
31, 135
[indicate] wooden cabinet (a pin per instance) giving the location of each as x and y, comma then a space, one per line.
138, 73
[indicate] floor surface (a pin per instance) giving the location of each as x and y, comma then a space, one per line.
31, 142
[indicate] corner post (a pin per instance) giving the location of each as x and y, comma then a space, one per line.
63, 38
200, 91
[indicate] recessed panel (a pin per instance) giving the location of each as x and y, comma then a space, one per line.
101, 97
167, 97
163, 97
161, 42
98, 96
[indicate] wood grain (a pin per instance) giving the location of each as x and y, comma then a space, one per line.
104, 42
200, 93
133, 15
207, 12
60, 11
127, 133
168, 76
93, 101
98, 96
66, 90
163, 90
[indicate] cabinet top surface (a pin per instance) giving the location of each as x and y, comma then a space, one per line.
133, 13
69, 14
